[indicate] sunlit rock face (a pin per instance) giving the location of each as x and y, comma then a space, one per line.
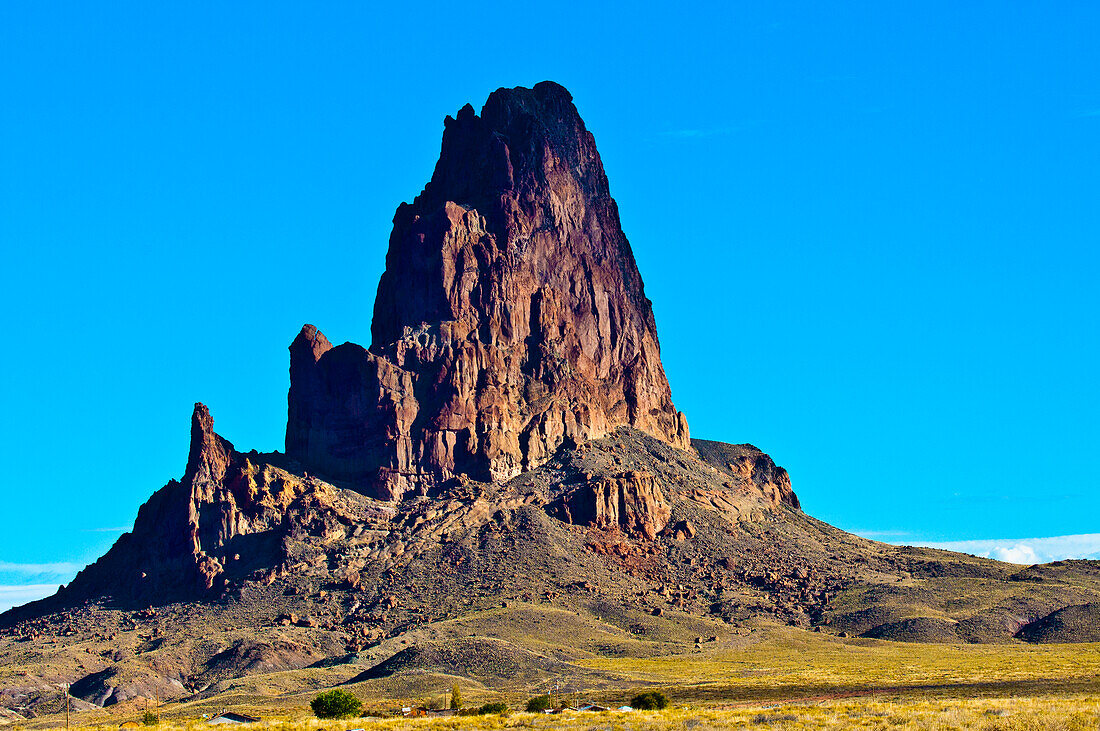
511, 318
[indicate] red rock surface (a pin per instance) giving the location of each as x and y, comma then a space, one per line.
631, 501
511, 318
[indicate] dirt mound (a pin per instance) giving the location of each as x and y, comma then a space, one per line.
116, 684
246, 657
864, 620
1078, 623
915, 629
991, 627
475, 658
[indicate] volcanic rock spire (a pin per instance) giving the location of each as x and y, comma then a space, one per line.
511, 318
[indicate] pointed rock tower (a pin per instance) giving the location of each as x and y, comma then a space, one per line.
511, 318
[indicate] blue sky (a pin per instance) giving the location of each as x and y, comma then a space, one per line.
869, 233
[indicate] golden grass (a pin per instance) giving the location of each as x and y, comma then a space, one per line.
1066, 713
776, 677
796, 660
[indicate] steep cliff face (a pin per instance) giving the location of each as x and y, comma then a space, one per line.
511, 318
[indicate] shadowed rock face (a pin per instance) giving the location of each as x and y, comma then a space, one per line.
511, 318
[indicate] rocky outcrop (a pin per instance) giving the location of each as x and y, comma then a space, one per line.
750, 466
511, 318
631, 502
224, 519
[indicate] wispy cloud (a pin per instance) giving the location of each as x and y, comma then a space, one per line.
876, 534
16, 595
27, 574
59, 567
1027, 550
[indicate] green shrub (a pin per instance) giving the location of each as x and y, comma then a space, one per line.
336, 704
492, 708
538, 704
149, 718
456, 697
653, 700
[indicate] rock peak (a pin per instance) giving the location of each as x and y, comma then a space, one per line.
511, 318
209, 453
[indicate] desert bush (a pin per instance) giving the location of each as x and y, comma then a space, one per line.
335, 704
456, 697
538, 704
489, 708
764, 719
652, 700
149, 718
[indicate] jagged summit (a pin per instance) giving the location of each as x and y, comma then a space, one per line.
511, 318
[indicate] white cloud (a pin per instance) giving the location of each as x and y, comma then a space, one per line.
1018, 553
17, 577
879, 535
60, 567
1027, 550
14, 596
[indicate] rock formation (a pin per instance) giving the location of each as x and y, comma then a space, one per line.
631, 501
510, 323
224, 519
511, 318
753, 466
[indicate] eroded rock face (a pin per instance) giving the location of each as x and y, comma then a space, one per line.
752, 467
631, 501
756, 466
224, 519
511, 318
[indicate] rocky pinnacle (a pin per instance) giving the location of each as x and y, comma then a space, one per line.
511, 319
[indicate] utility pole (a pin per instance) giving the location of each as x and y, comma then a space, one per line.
66, 706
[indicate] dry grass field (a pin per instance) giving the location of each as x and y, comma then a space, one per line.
1061, 713
775, 677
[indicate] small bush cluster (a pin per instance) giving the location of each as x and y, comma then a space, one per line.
336, 704
653, 700
492, 708
765, 719
538, 704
